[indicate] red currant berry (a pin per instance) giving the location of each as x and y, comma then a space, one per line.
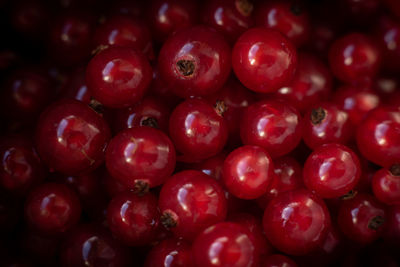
91, 245
362, 218
132, 218
75, 87
331, 171
190, 201
231, 18
264, 60
392, 225
288, 17
325, 123
225, 244
140, 158
118, 76
386, 185
247, 172
378, 136
212, 166
296, 222
71, 137
195, 62
170, 252
273, 125
197, 129
311, 83
278, 260
356, 102
354, 57
52, 208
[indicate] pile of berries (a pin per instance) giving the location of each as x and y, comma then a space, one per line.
184, 133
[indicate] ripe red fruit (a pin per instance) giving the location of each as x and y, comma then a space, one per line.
189, 202
278, 260
170, 252
386, 185
118, 77
296, 222
195, 62
247, 172
264, 60
332, 170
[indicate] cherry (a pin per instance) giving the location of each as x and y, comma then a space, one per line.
273, 125
264, 60
195, 62
151, 111
92, 245
140, 158
378, 136
225, 244
325, 123
52, 208
296, 222
197, 129
168, 16
190, 201
124, 31
20, 167
231, 18
71, 137
332, 170
386, 185
288, 17
247, 172
75, 86
170, 252
362, 218
132, 218
356, 102
312, 83
354, 58
118, 76
278, 260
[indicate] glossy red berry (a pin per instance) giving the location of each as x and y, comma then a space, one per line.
356, 102
325, 123
169, 16
278, 260
212, 166
264, 60
231, 18
94, 246
132, 218
52, 208
170, 252
362, 218
197, 130
225, 244
386, 185
118, 77
378, 136
20, 167
392, 225
296, 222
272, 125
75, 86
312, 83
190, 201
195, 62
288, 17
331, 171
71, 137
247, 172
354, 58
140, 158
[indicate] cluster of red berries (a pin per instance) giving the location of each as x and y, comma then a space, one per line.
226, 133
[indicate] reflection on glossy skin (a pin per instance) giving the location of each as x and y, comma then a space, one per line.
378, 136
331, 171
170, 253
386, 185
296, 222
388, 35
225, 244
140, 154
273, 125
195, 200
